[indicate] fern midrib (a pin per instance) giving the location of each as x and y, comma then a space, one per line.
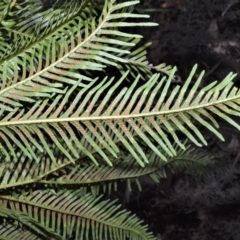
72, 214
116, 117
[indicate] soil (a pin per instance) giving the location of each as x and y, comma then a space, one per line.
184, 206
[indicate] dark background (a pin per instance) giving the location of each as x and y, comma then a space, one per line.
182, 206
197, 31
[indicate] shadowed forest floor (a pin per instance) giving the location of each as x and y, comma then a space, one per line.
183, 207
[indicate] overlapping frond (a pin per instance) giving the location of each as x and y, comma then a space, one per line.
63, 173
11, 11
191, 160
25, 23
56, 59
70, 214
126, 168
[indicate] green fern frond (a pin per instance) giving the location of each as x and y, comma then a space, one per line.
102, 177
126, 167
89, 125
54, 60
29, 20
190, 160
11, 12
70, 214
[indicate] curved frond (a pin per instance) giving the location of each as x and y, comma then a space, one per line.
70, 214
192, 161
102, 177
125, 168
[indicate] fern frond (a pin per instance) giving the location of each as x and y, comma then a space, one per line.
191, 160
87, 124
102, 177
11, 12
27, 52
28, 23
75, 44
70, 214
126, 168
46, 121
